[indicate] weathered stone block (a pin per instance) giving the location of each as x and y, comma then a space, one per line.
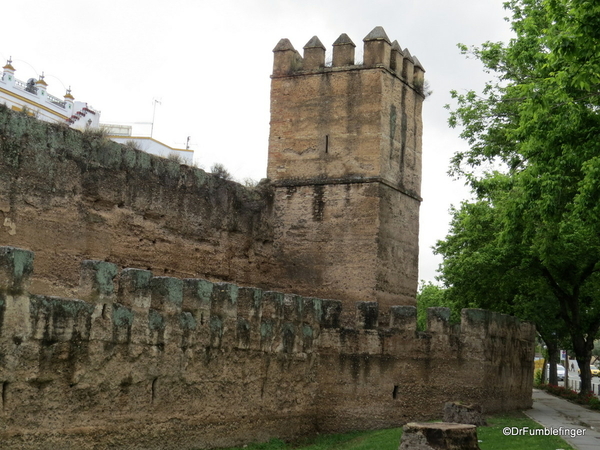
331, 311
438, 320
403, 318
166, 294
457, 412
134, 288
223, 299
96, 282
16, 265
367, 315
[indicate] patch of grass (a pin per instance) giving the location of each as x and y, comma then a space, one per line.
356, 440
491, 438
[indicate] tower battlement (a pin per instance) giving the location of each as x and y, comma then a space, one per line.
345, 159
379, 51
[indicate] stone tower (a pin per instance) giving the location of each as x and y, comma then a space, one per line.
345, 159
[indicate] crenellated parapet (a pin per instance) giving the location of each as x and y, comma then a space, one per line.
133, 306
225, 365
379, 52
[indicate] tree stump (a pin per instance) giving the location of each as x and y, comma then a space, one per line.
438, 436
458, 413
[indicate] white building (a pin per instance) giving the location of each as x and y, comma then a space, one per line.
33, 96
123, 134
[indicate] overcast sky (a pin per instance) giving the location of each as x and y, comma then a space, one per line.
208, 63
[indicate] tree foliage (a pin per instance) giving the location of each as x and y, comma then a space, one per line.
431, 296
529, 243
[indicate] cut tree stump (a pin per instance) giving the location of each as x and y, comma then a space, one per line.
438, 436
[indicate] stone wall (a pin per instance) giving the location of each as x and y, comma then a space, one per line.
70, 196
170, 355
339, 218
143, 361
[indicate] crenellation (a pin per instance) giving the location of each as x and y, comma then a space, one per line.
438, 320
418, 73
58, 319
97, 281
166, 294
379, 52
331, 311
312, 310
476, 322
377, 48
216, 342
287, 59
180, 362
403, 318
314, 54
196, 299
396, 58
134, 288
16, 266
343, 51
367, 315
345, 146
226, 308
408, 67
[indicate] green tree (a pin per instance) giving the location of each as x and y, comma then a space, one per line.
534, 168
431, 296
481, 269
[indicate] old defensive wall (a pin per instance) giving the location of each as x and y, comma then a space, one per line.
162, 363
249, 313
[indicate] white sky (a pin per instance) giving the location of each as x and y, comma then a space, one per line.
209, 62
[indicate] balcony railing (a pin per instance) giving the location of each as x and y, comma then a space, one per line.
56, 101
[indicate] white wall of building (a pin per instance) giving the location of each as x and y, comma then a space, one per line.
154, 147
33, 96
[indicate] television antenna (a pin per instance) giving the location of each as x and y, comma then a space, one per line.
187, 143
154, 101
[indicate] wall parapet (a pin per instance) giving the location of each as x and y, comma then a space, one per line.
379, 52
230, 312
224, 364
97, 199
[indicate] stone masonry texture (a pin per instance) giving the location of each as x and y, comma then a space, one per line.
145, 362
172, 309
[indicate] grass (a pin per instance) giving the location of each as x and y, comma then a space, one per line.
490, 437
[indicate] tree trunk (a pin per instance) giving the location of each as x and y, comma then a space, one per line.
567, 362
553, 356
583, 353
544, 377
